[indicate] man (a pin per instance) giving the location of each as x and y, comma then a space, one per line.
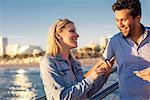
131, 49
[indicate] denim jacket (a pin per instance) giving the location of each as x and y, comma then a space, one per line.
58, 83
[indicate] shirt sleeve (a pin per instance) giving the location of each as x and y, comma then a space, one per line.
97, 85
109, 51
54, 86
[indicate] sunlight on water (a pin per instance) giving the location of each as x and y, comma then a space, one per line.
21, 71
26, 84
22, 87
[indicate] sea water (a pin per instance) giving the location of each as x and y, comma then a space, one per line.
26, 84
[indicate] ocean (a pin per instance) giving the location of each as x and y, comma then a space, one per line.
26, 84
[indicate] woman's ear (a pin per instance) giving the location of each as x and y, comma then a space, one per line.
58, 36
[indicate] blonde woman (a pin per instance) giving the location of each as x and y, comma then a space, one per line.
61, 74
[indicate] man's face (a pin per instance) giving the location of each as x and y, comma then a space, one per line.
125, 22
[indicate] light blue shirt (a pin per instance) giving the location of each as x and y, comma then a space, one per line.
60, 83
130, 58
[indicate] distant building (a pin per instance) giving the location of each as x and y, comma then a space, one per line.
16, 49
103, 42
3, 44
29, 50
12, 50
93, 45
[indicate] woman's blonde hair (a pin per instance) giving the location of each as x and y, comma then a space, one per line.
53, 45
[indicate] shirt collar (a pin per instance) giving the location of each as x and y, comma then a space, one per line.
147, 31
58, 57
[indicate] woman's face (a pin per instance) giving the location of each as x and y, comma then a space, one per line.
69, 36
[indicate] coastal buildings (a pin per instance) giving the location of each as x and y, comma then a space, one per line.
29, 49
3, 43
20, 54
13, 50
93, 45
92, 49
103, 42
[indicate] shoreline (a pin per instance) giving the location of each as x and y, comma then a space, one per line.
84, 63
24, 66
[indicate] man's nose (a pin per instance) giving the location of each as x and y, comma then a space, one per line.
120, 24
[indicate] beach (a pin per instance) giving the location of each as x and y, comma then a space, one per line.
24, 66
86, 62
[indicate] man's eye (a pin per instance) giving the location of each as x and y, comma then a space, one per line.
124, 20
117, 20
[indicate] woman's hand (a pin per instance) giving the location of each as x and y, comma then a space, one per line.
101, 67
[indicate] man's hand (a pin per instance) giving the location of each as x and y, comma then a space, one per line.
144, 74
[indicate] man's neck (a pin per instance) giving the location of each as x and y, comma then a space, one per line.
136, 34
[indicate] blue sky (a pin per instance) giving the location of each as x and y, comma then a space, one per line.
26, 22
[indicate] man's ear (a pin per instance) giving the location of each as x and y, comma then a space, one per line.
138, 18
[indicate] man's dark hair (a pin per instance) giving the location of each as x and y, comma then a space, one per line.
133, 5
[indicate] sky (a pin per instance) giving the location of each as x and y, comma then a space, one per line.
26, 22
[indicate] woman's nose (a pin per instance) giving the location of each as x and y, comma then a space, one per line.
77, 35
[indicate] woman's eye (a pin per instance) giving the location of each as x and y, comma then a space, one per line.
71, 31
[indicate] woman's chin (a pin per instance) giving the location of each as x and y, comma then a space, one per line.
74, 46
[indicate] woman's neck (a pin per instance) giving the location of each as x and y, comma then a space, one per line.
65, 54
